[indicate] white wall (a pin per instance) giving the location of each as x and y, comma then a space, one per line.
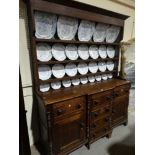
24, 48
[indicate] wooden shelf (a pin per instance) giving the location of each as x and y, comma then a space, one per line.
75, 61
74, 42
77, 76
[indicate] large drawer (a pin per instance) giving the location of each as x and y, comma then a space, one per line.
121, 90
64, 108
102, 99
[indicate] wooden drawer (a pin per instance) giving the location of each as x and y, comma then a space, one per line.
101, 99
104, 122
99, 133
121, 90
101, 112
67, 107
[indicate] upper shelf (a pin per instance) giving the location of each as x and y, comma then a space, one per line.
74, 42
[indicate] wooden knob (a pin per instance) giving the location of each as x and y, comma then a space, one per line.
113, 111
94, 125
108, 98
60, 111
78, 106
95, 114
95, 102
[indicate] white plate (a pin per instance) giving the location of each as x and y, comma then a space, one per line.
44, 52
71, 52
45, 72
98, 77
86, 30
100, 32
83, 52
82, 68
71, 69
58, 52
102, 66
56, 85
104, 77
66, 83
112, 34
67, 27
45, 25
75, 82
91, 78
110, 76
93, 52
102, 51
44, 87
110, 65
84, 80
93, 67
110, 52
58, 70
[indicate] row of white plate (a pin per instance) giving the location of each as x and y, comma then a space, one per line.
67, 27
74, 82
70, 69
60, 52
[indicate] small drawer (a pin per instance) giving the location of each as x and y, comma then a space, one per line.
102, 112
104, 122
69, 106
102, 99
99, 133
121, 90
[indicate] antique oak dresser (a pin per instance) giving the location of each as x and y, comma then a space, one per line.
78, 115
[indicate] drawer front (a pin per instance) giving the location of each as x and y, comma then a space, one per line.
100, 113
67, 107
121, 90
99, 133
101, 123
102, 99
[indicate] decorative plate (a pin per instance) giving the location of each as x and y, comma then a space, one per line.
58, 52
82, 68
75, 82
66, 83
110, 76
102, 66
110, 52
100, 32
71, 69
44, 52
93, 52
58, 70
104, 77
84, 80
93, 67
44, 87
71, 52
110, 65
98, 77
91, 78
45, 72
112, 34
67, 27
56, 85
45, 25
86, 30
83, 52
102, 51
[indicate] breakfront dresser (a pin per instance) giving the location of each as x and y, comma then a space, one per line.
78, 115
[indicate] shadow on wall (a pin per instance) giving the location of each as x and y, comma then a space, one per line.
125, 147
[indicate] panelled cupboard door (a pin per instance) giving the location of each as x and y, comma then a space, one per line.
119, 109
68, 132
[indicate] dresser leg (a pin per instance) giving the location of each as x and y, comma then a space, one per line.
125, 123
109, 135
88, 146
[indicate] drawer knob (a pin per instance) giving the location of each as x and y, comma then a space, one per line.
107, 109
78, 106
113, 111
107, 119
116, 94
108, 98
95, 114
95, 102
60, 112
94, 125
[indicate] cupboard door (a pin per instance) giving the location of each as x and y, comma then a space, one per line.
69, 132
119, 109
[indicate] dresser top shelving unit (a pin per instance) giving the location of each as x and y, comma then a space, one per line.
80, 11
